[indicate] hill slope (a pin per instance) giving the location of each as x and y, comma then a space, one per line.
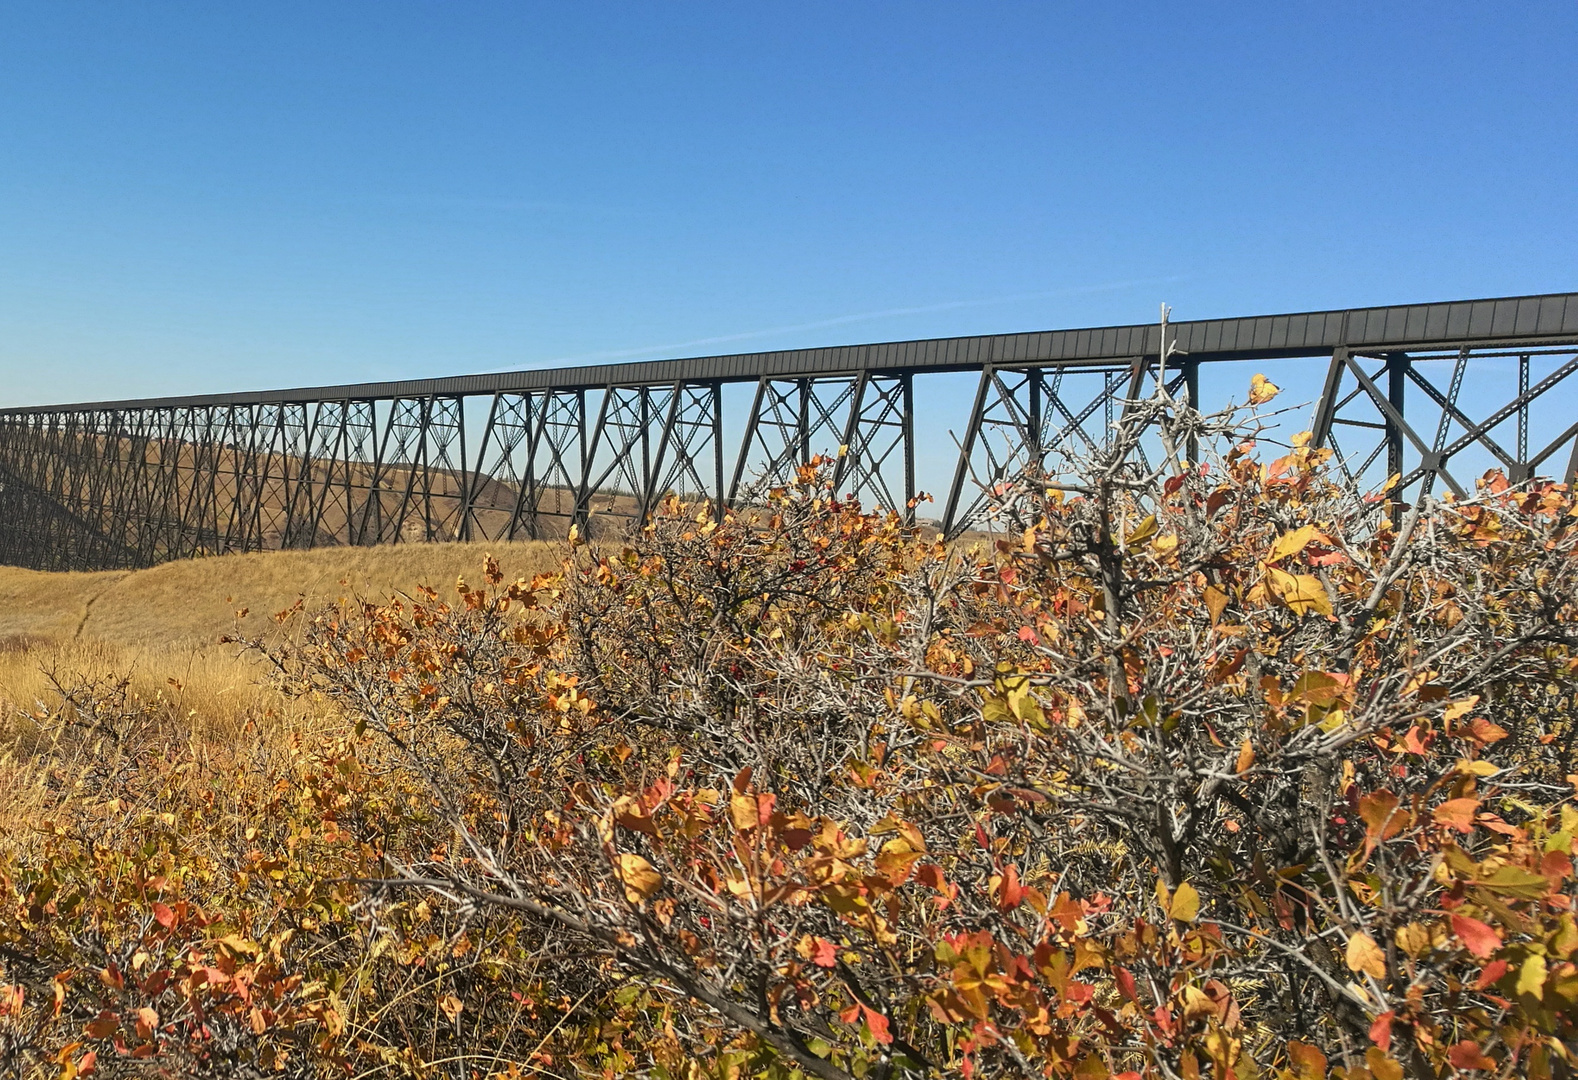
165, 623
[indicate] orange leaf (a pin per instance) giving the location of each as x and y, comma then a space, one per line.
1012, 893
879, 1026
1491, 975
1382, 821
1458, 813
1485, 731
163, 916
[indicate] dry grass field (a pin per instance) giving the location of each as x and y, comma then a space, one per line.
164, 623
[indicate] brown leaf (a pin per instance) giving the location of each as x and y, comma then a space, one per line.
1307, 1061
1215, 603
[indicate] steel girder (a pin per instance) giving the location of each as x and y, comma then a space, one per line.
1417, 394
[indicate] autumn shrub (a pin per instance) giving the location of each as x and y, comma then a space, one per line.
1209, 768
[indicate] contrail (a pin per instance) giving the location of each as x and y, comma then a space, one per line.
865, 316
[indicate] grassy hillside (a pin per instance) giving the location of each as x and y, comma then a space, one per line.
165, 623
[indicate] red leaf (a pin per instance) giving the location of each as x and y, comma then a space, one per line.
825, 955
1012, 893
1126, 984
1467, 1055
1381, 1030
1478, 938
879, 1026
163, 916
1491, 975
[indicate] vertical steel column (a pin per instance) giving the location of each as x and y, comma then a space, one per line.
1523, 415
1396, 383
719, 503
805, 421
908, 435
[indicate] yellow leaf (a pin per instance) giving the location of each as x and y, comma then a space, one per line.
742, 811
1142, 531
1302, 593
1458, 708
1197, 1002
1186, 903
1246, 757
1262, 390
1291, 543
640, 878
1382, 1067
1165, 544
1413, 939
1531, 976
1366, 956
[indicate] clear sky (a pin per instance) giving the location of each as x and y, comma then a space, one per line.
202, 197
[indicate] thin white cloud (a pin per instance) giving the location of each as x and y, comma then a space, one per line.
844, 320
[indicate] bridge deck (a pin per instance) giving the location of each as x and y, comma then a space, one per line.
1508, 320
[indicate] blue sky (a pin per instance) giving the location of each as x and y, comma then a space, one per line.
199, 197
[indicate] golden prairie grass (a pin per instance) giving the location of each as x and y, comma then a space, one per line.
160, 629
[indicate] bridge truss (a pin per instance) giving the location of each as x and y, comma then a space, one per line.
1421, 391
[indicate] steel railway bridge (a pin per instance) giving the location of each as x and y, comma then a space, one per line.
120, 484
